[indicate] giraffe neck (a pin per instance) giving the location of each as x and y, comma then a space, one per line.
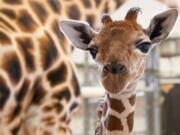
118, 112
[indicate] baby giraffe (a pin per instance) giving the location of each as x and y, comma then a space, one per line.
120, 48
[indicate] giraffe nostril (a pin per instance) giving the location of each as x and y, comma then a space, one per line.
122, 68
115, 68
107, 67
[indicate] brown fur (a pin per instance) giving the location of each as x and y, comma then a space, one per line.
116, 105
132, 100
117, 41
113, 123
130, 121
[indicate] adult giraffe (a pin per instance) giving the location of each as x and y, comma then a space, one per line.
38, 86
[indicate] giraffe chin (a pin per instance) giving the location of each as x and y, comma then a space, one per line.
113, 83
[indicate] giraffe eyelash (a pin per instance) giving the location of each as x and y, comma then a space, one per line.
144, 47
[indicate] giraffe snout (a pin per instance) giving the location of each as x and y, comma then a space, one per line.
115, 68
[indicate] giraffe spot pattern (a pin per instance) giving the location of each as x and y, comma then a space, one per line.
62, 94
48, 50
25, 22
56, 77
58, 107
49, 120
65, 130
56, 30
9, 13
119, 3
73, 12
47, 108
75, 85
7, 24
39, 10
39, 92
97, 2
91, 20
46, 133
63, 118
16, 129
13, 2
59, 34
23, 91
106, 8
132, 100
54, 5
26, 48
50, 123
62, 129
11, 64
4, 93
116, 105
113, 123
86, 3
15, 112
130, 120
4, 39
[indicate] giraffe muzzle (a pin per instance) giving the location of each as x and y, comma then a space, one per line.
115, 68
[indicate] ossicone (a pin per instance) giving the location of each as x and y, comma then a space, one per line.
106, 19
132, 14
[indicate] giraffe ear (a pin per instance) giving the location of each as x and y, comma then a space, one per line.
79, 33
161, 25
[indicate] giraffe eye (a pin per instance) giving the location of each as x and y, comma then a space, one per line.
144, 47
93, 51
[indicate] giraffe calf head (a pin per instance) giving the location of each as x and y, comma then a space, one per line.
120, 47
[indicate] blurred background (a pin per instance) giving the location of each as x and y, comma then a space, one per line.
158, 96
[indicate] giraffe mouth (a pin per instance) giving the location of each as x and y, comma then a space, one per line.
113, 83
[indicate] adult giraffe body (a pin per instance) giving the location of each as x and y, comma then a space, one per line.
38, 86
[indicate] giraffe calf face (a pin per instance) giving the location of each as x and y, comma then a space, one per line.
121, 47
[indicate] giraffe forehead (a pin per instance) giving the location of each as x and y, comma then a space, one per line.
121, 31
119, 39
124, 25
